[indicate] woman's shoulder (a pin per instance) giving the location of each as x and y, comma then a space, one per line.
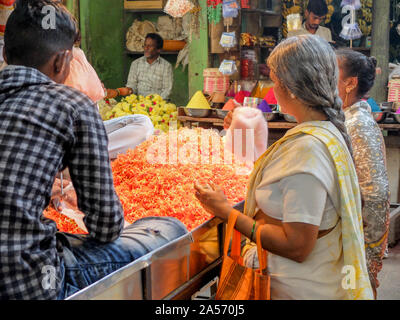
305, 144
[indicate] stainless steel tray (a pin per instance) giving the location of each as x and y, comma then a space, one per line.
161, 271
164, 270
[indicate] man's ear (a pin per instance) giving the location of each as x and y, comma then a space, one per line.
61, 65
306, 14
62, 60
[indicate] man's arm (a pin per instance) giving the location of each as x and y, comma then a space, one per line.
168, 82
91, 175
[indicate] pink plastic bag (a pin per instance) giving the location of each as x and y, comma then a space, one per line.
247, 137
83, 77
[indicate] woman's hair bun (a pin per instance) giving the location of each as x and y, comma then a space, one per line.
373, 61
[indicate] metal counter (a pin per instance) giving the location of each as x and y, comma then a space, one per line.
157, 274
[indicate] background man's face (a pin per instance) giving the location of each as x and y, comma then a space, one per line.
150, 48
313, 21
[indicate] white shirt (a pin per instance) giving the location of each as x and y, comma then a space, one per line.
321, 31
156, 78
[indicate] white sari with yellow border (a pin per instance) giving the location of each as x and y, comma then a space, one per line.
336, 268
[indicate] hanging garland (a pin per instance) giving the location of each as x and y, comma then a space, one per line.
214, 11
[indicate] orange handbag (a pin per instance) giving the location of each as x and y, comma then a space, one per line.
236, 281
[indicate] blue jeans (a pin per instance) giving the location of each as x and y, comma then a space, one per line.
84, 260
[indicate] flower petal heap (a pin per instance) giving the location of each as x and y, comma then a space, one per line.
157, 177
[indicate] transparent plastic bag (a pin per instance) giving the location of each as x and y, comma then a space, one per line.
247, 136
230, 9
228, 67
228, 40
293, 22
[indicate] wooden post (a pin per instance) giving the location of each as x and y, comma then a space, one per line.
380, 47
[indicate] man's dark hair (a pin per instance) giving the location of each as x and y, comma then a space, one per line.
157, 38
318, 7
30, 42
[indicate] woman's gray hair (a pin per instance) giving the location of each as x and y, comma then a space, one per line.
307, 67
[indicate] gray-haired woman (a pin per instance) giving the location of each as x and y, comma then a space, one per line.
303, 192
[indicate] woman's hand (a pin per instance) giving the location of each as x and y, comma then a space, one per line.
213, 200
228, 120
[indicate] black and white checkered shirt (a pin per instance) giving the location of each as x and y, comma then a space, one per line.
45, 126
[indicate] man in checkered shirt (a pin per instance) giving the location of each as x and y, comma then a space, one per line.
151, 74
45, 127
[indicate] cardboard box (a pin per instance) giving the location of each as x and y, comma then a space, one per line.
215, 81
143, 4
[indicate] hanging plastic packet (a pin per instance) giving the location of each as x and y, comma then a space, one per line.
351, 30
293, 22
355, 3
228, 40
178, 8
228, 67
230, 9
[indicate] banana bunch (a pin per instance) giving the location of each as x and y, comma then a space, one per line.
331, 10
365, 17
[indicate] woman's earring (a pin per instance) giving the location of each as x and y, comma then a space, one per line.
292, 95
349, 89
345, 99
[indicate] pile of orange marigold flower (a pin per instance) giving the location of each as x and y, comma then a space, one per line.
157, 177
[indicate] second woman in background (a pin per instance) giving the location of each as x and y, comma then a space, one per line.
356, 78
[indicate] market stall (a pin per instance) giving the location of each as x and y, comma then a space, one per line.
241, 37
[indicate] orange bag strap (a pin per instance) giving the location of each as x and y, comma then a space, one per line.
229, 231
262, 254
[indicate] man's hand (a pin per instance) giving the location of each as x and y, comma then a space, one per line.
125, 91
111, 93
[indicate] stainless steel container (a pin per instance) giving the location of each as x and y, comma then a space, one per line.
221, 113
158, 273
271, 116
396, 117
197, 113
164, 270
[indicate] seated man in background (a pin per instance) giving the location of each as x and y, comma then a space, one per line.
149, 74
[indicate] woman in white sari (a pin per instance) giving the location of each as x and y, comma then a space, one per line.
303, 192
